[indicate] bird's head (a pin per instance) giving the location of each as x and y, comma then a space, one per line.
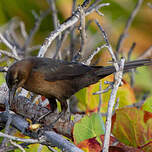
16, 76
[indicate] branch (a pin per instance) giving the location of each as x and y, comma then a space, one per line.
90, 57
146, 54
10, 55
35, 28
12, 48
32, 141
61, 142
118, 77
82, 30
128, 24
56, 24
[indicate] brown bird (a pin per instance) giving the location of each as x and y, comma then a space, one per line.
56, 79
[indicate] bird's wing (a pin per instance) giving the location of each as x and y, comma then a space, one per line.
60, 70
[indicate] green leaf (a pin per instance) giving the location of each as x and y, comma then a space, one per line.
147, 106
88, 127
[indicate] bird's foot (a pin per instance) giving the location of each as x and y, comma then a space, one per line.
43, 116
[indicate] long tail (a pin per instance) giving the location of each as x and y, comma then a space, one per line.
105, 71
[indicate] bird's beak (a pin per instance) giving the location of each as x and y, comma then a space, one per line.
12, 94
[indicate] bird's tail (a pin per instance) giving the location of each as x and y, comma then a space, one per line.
105, 71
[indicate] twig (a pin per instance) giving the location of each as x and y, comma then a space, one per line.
132, 74
146, 54
72, 34
118, 77
141, 102
99, 13
6, 42
36, 47
56, 24
17, 145
108, 46
100, 97
35, 28
131, 50
95, 7
105, 90
82, 30
90, 57
12, 48
128, 24
116, 106
54, 12
10, 55
32, 141
11, 148
23, 30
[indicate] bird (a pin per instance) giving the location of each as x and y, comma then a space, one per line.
57, 79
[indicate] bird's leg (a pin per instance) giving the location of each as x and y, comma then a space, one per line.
64, 107
68, 111
53, 105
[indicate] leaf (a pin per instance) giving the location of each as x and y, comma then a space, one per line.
147, 106
92, 145
88, 127
133, 127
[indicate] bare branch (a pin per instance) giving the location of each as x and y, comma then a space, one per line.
128, 24
146, 54
56, 24
82, 30
100, 97
17, 145
131, 50
118, 77
108, 46
35, 28
32, 141
90, 57
95, 7
12, 48
23, 30
110, 86
10, 55
72, 34
6, 42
